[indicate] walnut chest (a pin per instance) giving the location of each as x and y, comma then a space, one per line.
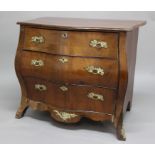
76, 68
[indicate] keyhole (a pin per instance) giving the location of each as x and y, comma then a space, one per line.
95, 71
41, 88
64, 35
37, 63
98, 45
95, 97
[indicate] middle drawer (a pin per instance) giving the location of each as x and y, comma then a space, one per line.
74, 70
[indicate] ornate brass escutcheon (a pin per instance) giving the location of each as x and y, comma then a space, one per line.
40, 87
63, 60
98, 44
37, 63
64, 35
95, 96
65, 115
37, 39
64, 88
95, 70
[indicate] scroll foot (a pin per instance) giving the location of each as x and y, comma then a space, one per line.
121, 134
120, 129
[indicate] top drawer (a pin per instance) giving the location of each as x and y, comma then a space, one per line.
73, 43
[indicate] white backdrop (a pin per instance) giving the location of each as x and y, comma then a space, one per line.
37, 127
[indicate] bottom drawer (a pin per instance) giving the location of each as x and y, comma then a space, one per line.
71, 97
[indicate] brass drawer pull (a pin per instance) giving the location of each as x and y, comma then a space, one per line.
98, 44
95, 70
37, 63
38, 39
95, 96
64, 88
63, 60
40, 87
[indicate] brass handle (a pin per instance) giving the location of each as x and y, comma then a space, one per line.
98, 44
40, 87
63, 60
37, 39
95, 70
64, 88
37, 63
95, 96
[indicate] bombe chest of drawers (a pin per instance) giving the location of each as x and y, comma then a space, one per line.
76, 68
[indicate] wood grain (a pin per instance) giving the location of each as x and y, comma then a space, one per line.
36, 105
75, 98
122, 85
76, 43
132, 39
118, 61
83, 24
72, 72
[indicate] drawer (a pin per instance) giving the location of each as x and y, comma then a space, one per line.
73, 70
89, 44
69, 97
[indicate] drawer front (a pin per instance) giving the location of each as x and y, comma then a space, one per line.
90, 44
72, 70
67, 97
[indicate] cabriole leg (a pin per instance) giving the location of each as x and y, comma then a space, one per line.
120, 129
22, 108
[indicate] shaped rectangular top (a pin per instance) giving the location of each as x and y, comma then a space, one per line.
83, 24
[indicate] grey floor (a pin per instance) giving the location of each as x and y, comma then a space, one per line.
38, 127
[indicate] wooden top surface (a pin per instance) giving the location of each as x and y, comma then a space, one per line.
83, 24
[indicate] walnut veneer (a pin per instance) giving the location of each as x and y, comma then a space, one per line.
76, 68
